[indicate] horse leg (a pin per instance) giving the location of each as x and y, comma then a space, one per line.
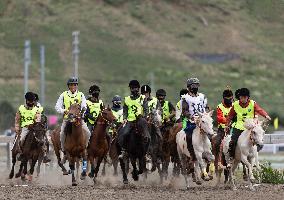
231, 171
92, 172
135, 171
115, 163
40, 159
245, 175
84, 166
123, 169
250, 175
20, 170
104, 168
14, 159
183, 160
57, 153
202, 165
99, 160
33, 163
72, 168
25, 169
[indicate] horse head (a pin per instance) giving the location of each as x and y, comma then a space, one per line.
256, 130
38, 130
107, 115
74, 113
205, 122
155, 117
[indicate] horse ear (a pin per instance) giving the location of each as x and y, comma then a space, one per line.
108, 107
102, 107
211, 113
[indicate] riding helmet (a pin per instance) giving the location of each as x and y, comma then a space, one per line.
72, 80
244, 92
134, 83
192, 81
94, 88
145, 89
29, 96
116, 98
161, 92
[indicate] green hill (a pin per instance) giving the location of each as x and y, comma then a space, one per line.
222, 42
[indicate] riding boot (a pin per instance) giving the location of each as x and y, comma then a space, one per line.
190, 146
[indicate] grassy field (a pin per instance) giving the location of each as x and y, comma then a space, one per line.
126, 39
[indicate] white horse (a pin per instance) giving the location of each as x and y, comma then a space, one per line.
201, 145
246, 149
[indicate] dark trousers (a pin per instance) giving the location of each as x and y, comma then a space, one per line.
234, 141
189, 130
219, 138
123, 134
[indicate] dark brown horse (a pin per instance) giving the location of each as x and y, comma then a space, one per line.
75, 141
31, 150
169, 148
99, 145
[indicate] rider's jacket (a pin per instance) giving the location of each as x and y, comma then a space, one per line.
134, 107
243, 113
118, 115
94, 109
152, 104
166, 110
67, 98
27, 116
222, 113
195, 104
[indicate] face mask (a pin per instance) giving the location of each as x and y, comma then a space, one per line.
30, 104
194, 90
135, 91
96, 94
116, 105
227, 102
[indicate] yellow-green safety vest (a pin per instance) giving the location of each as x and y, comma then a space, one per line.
153, 103
27, 116
135, 107
118, 115
178, 105
95, 109
166, 110
225, 112
243, 113
68, 100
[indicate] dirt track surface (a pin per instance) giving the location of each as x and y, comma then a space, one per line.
135, 192
54, 186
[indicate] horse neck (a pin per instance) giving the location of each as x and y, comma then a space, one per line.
100, 128
245, 137
77, 130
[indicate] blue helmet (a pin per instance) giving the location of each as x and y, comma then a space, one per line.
116, 98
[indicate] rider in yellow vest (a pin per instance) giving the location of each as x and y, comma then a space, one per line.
63, 103
25, 117
242, 109
134, 105
223, 110
117, 111
153, 104
94, 107
178, 105
167, 107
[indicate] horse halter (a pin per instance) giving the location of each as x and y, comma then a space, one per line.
105, 120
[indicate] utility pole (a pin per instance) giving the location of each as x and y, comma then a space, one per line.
27, 62
76, 51
152, 81
42, 74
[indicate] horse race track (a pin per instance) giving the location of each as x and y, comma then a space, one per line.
54, 186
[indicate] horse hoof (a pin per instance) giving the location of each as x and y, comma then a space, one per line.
11, 176
135, 176
65, 173
17, 175
187, 187
29, 177
210, 177
125, 182
245, 178
83, 176
91, 175
74, 183
234, 188
198, 182
94, 180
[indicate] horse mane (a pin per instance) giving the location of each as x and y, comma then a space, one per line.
249, 124
68, 128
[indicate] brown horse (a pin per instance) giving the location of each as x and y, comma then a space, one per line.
99, 145
31, 150
169, 149
75, 141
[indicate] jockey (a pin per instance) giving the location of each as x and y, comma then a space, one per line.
152, 101
192, 104
26, 116
178, 105
117, 111
168, 109
94, 107
223, 110
134, 105
62, 106
242, 109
